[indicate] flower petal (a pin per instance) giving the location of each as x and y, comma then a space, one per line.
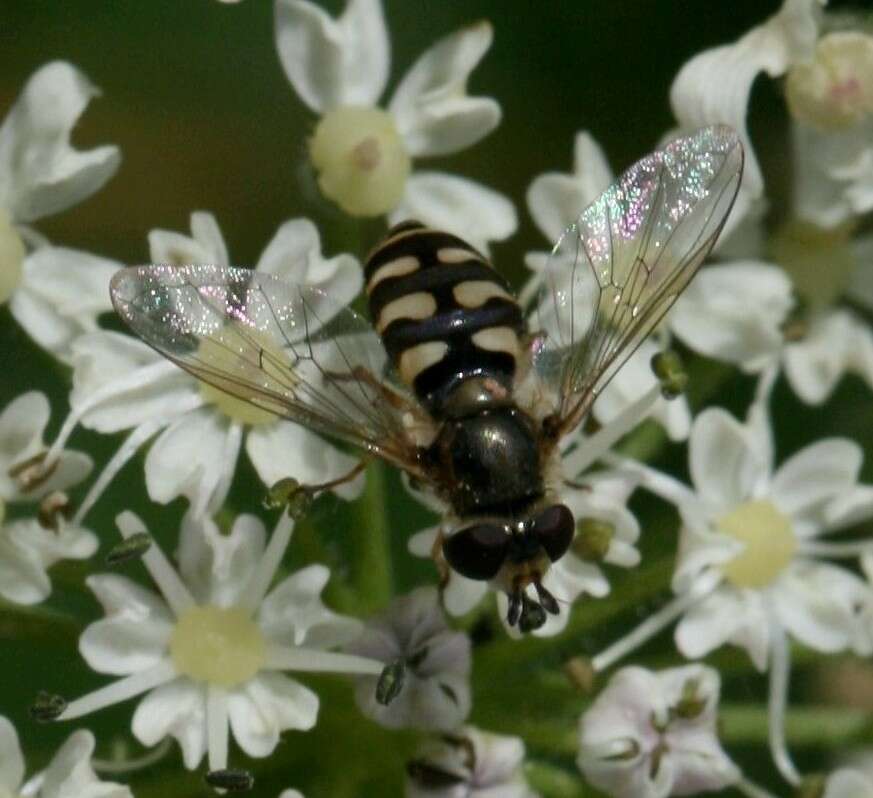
11, 758
135, 633
835, 344
816, 603
294, 254
284, 450
204, 245
62, 293
333, 62
216, 566
469, 210
42, 173
294, 614
727, 463
148, 386
815, 475
70, 772
735, 313
177, 709
727, 615
555, 199
434, 115
193, 457
267, 705
714, 86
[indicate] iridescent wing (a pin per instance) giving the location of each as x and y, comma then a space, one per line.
617, 270
287, 349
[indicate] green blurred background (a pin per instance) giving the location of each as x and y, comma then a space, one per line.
194, 95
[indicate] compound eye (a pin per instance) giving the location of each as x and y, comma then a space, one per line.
554, 528
477, 552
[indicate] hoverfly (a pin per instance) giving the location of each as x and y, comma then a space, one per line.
450, 383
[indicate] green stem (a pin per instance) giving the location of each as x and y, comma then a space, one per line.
804, 726
372, 574
554, 781
36, 623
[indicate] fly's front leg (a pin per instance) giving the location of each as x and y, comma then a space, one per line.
289, 493
439, 559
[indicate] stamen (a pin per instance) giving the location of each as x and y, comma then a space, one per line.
593, 448
390, 682
302, 660
216, 727
780, 668
120, 690
128, 382
125, 452
645, 631
262, 576
171, 586
121, 765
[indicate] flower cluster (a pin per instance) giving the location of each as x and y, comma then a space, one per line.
239, 637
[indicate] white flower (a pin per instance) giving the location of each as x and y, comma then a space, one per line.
290, 794
362, 153
469, 764
847, 783
69, 773
435, 692
120, 383
210, 651
54, 293
650, 735
27, 549
751, 567
714, 86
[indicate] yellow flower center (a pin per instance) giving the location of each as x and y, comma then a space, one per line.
768, 539
274, 362
218, 646
819, 260
12, 254
834, 90
360, 160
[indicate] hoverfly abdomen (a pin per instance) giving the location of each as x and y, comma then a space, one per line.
444, 314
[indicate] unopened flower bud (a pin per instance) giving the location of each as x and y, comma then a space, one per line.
230, 780
671, 373
834, 90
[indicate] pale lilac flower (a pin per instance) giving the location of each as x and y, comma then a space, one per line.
69, 773
471, 764
28, 549
363, 153
653, 734
54, 293
120, 383
752, 567
846, 783
436, 684
210, 651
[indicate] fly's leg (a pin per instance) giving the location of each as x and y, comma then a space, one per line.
289, 493
364, 375
442, 565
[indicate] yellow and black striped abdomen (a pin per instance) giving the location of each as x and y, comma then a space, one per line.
443, 313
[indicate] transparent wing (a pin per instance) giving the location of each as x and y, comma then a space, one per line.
285, 348
617, 270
